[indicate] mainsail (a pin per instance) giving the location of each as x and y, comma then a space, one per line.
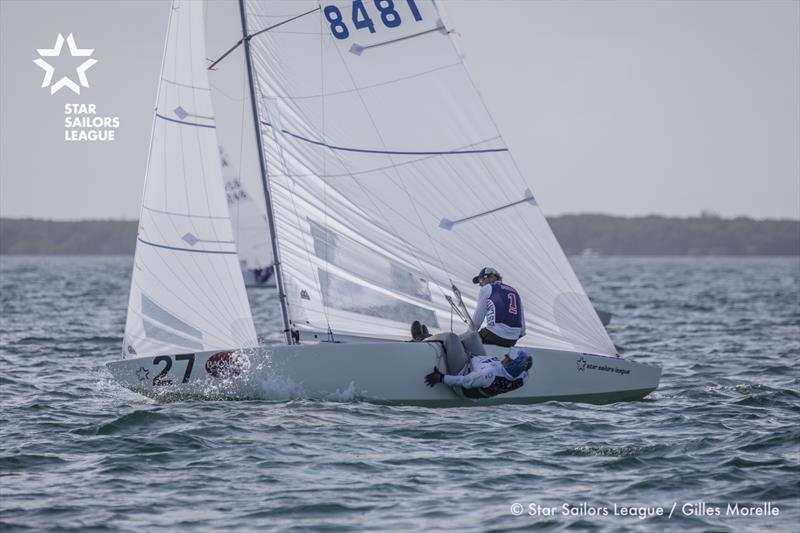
187, 292
389, 180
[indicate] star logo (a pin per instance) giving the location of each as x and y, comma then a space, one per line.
56, 52
143, 373
581, 364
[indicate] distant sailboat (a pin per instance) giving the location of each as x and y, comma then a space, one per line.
386, 185
250, 228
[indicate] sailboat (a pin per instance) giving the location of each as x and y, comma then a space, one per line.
250, 228
387, 186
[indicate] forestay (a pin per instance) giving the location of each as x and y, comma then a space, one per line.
187, 292
389, 177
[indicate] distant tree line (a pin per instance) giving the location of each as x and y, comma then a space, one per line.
655, 235
44, 237
588, 234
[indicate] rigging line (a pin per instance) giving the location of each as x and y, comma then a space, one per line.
324, 168
250, 36
386, 152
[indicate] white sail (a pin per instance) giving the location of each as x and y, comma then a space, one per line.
389, 177
187, 292
246, 207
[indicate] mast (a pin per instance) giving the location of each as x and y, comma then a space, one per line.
264, 182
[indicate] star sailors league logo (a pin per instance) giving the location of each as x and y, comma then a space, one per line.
56, 52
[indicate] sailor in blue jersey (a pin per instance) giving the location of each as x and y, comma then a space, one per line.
500, 305
484, 376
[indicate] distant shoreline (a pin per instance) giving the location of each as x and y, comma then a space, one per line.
587, 234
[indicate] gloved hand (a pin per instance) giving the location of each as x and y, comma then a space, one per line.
434, 377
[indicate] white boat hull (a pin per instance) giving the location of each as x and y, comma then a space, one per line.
383, 372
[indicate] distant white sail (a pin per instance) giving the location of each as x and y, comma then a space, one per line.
187, 292
246, 206
389, 177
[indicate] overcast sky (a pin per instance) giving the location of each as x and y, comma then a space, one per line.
625, 108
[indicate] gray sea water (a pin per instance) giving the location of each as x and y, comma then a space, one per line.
78, 452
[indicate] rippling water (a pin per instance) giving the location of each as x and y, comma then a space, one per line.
79, 452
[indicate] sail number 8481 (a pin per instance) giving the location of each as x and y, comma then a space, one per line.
361, 19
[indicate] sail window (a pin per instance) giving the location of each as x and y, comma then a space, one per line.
158, 334
152, 310
367, 264
345, 295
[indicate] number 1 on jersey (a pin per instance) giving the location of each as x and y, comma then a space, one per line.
512, 303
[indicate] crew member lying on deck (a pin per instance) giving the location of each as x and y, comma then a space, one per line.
481, 376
